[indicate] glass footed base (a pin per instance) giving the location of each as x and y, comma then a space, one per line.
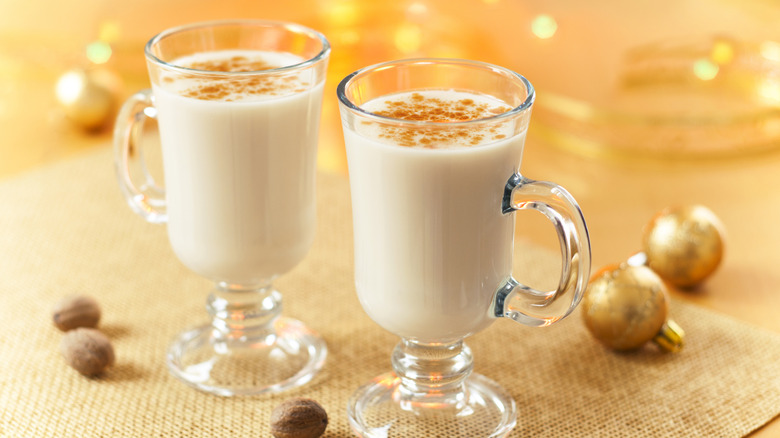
287, 357
377, 409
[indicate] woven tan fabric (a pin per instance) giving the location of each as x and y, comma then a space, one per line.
65, 229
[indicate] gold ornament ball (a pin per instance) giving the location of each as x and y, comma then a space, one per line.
86, 98
625, 306
684, 245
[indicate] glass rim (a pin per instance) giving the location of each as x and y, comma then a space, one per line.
293, 27
344, 100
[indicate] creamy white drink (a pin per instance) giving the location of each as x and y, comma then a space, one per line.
432, 245
239, 156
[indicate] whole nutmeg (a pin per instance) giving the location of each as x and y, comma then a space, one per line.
299, 418
87, 350
76, 311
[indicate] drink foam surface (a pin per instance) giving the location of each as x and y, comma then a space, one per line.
441, 108
231, 88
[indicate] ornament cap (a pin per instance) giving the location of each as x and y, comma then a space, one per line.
671, 337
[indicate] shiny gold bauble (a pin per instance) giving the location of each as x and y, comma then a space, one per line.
86, 98
684, 245
625, 306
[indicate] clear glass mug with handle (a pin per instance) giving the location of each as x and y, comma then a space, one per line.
238, 106
434, 149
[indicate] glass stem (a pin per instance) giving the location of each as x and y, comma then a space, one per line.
432, 375
241, 312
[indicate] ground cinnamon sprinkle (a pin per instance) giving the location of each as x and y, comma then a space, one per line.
233, 64
227, 89
418, 107
432, 109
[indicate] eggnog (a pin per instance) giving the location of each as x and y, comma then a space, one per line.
239, 153
432, 245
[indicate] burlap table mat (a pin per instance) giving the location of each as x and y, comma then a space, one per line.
65, 229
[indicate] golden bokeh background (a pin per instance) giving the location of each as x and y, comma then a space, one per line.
664, 78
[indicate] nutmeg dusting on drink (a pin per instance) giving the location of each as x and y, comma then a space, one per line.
422, 108
239, 87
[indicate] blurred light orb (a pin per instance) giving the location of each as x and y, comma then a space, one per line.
343, 13
408, 38
70, 86
770, 50
544, 26
417, 8
110, 31
769, 91
705, 69
722, 52
99, 52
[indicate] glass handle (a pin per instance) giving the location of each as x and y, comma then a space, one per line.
529, 306
140, 190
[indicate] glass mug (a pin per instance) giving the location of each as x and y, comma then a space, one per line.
433, 150
238, 107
